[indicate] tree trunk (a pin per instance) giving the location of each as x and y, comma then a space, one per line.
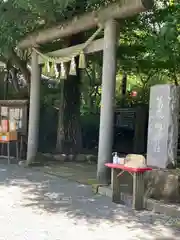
6, 85
20, 64
72, 129
69, 138
123, 89
60, 131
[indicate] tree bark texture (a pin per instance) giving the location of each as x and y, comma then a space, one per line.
69, 137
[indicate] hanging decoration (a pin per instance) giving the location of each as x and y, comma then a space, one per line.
72, 70
56, 70
63, 71
51, 62
82, 60
47, 66
52, 70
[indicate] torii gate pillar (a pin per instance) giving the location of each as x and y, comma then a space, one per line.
107, 100
34, 109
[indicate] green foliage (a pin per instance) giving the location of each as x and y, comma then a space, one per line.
163, 41
151, 41
20, 17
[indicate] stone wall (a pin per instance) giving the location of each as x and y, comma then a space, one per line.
163, 185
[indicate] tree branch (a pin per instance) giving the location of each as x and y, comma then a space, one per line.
20, 64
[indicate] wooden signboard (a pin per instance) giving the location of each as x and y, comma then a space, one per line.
125, 118
135, 120
8, 136
15, 111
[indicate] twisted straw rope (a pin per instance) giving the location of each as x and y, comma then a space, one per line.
74, 54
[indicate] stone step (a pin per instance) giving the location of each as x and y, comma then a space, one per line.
171, 210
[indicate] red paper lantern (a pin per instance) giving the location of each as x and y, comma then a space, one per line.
133, 94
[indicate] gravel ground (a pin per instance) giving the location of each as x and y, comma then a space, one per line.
38, 206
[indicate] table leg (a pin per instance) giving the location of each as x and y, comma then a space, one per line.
2, 148
17, 150
21, 147
116, 189
138, 191
8, 151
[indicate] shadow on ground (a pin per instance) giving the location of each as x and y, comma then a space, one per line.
79, 172
53, 195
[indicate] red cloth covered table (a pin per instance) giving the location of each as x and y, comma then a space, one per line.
137, 183
128, 169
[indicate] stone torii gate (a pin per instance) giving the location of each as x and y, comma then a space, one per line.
108, 17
